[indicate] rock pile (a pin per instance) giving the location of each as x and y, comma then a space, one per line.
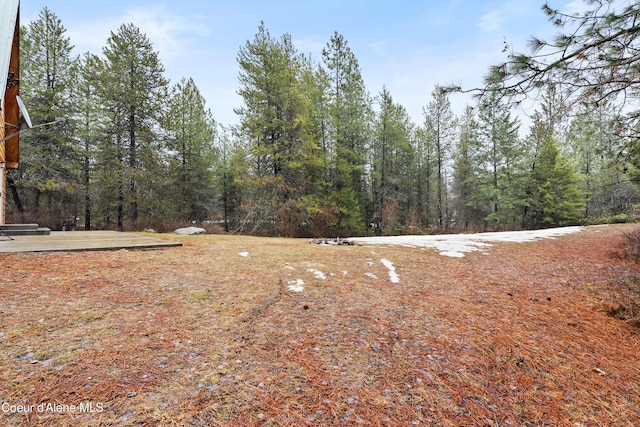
331, 241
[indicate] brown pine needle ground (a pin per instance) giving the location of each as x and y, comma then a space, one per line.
520, 335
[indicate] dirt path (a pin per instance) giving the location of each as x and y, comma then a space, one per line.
518, 335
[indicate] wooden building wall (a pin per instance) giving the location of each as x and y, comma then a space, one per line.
10, 112
11, 109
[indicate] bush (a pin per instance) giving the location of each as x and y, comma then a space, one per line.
631, 245
620, 218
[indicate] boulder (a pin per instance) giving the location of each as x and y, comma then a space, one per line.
190, 230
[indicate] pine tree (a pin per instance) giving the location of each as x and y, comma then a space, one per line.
134, 91
424, 177
267, 78
321, 216
470, 209
191, 134
89, 122
440, 128
274, 123
499, 134
349, 110
50, 165
593, 58
557, 198
230, 165
391, 164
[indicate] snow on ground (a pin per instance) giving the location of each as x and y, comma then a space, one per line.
452, 245
318, 274
392, 270
296, 285
456, 245
244, 254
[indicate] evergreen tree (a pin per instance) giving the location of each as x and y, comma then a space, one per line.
50, 165
267, 78
553, 110
424, 150
89, 122
440, 127
349, 110
391, 162
229, 168
321, 216
607, 187
499, 134
470, 209
279, 121
191, 133
594, 57
134, 91
310, 157
556, 197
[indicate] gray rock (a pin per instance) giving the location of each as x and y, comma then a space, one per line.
190, 230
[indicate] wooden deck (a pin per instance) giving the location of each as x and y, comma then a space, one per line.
82, 241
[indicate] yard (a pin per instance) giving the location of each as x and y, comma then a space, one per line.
242, 331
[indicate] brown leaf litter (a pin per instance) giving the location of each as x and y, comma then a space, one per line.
211, 334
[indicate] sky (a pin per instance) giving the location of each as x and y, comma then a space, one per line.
409, 46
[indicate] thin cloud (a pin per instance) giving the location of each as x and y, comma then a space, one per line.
508, 12
169, 33
576, 7
379, 47
310, 45
492, 21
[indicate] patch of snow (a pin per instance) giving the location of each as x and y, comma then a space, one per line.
392, 270
453, 254
371, 275
296, 285
317, 274
456, 245
244, 254
288, 267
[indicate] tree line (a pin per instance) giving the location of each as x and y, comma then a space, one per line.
314, 153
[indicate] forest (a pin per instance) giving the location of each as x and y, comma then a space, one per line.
314, 153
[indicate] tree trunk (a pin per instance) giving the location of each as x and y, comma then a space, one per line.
133, 206
87, 196
120, 207
16, 198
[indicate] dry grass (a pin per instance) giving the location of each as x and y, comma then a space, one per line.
199, 335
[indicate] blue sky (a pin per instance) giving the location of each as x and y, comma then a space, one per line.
407, 45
